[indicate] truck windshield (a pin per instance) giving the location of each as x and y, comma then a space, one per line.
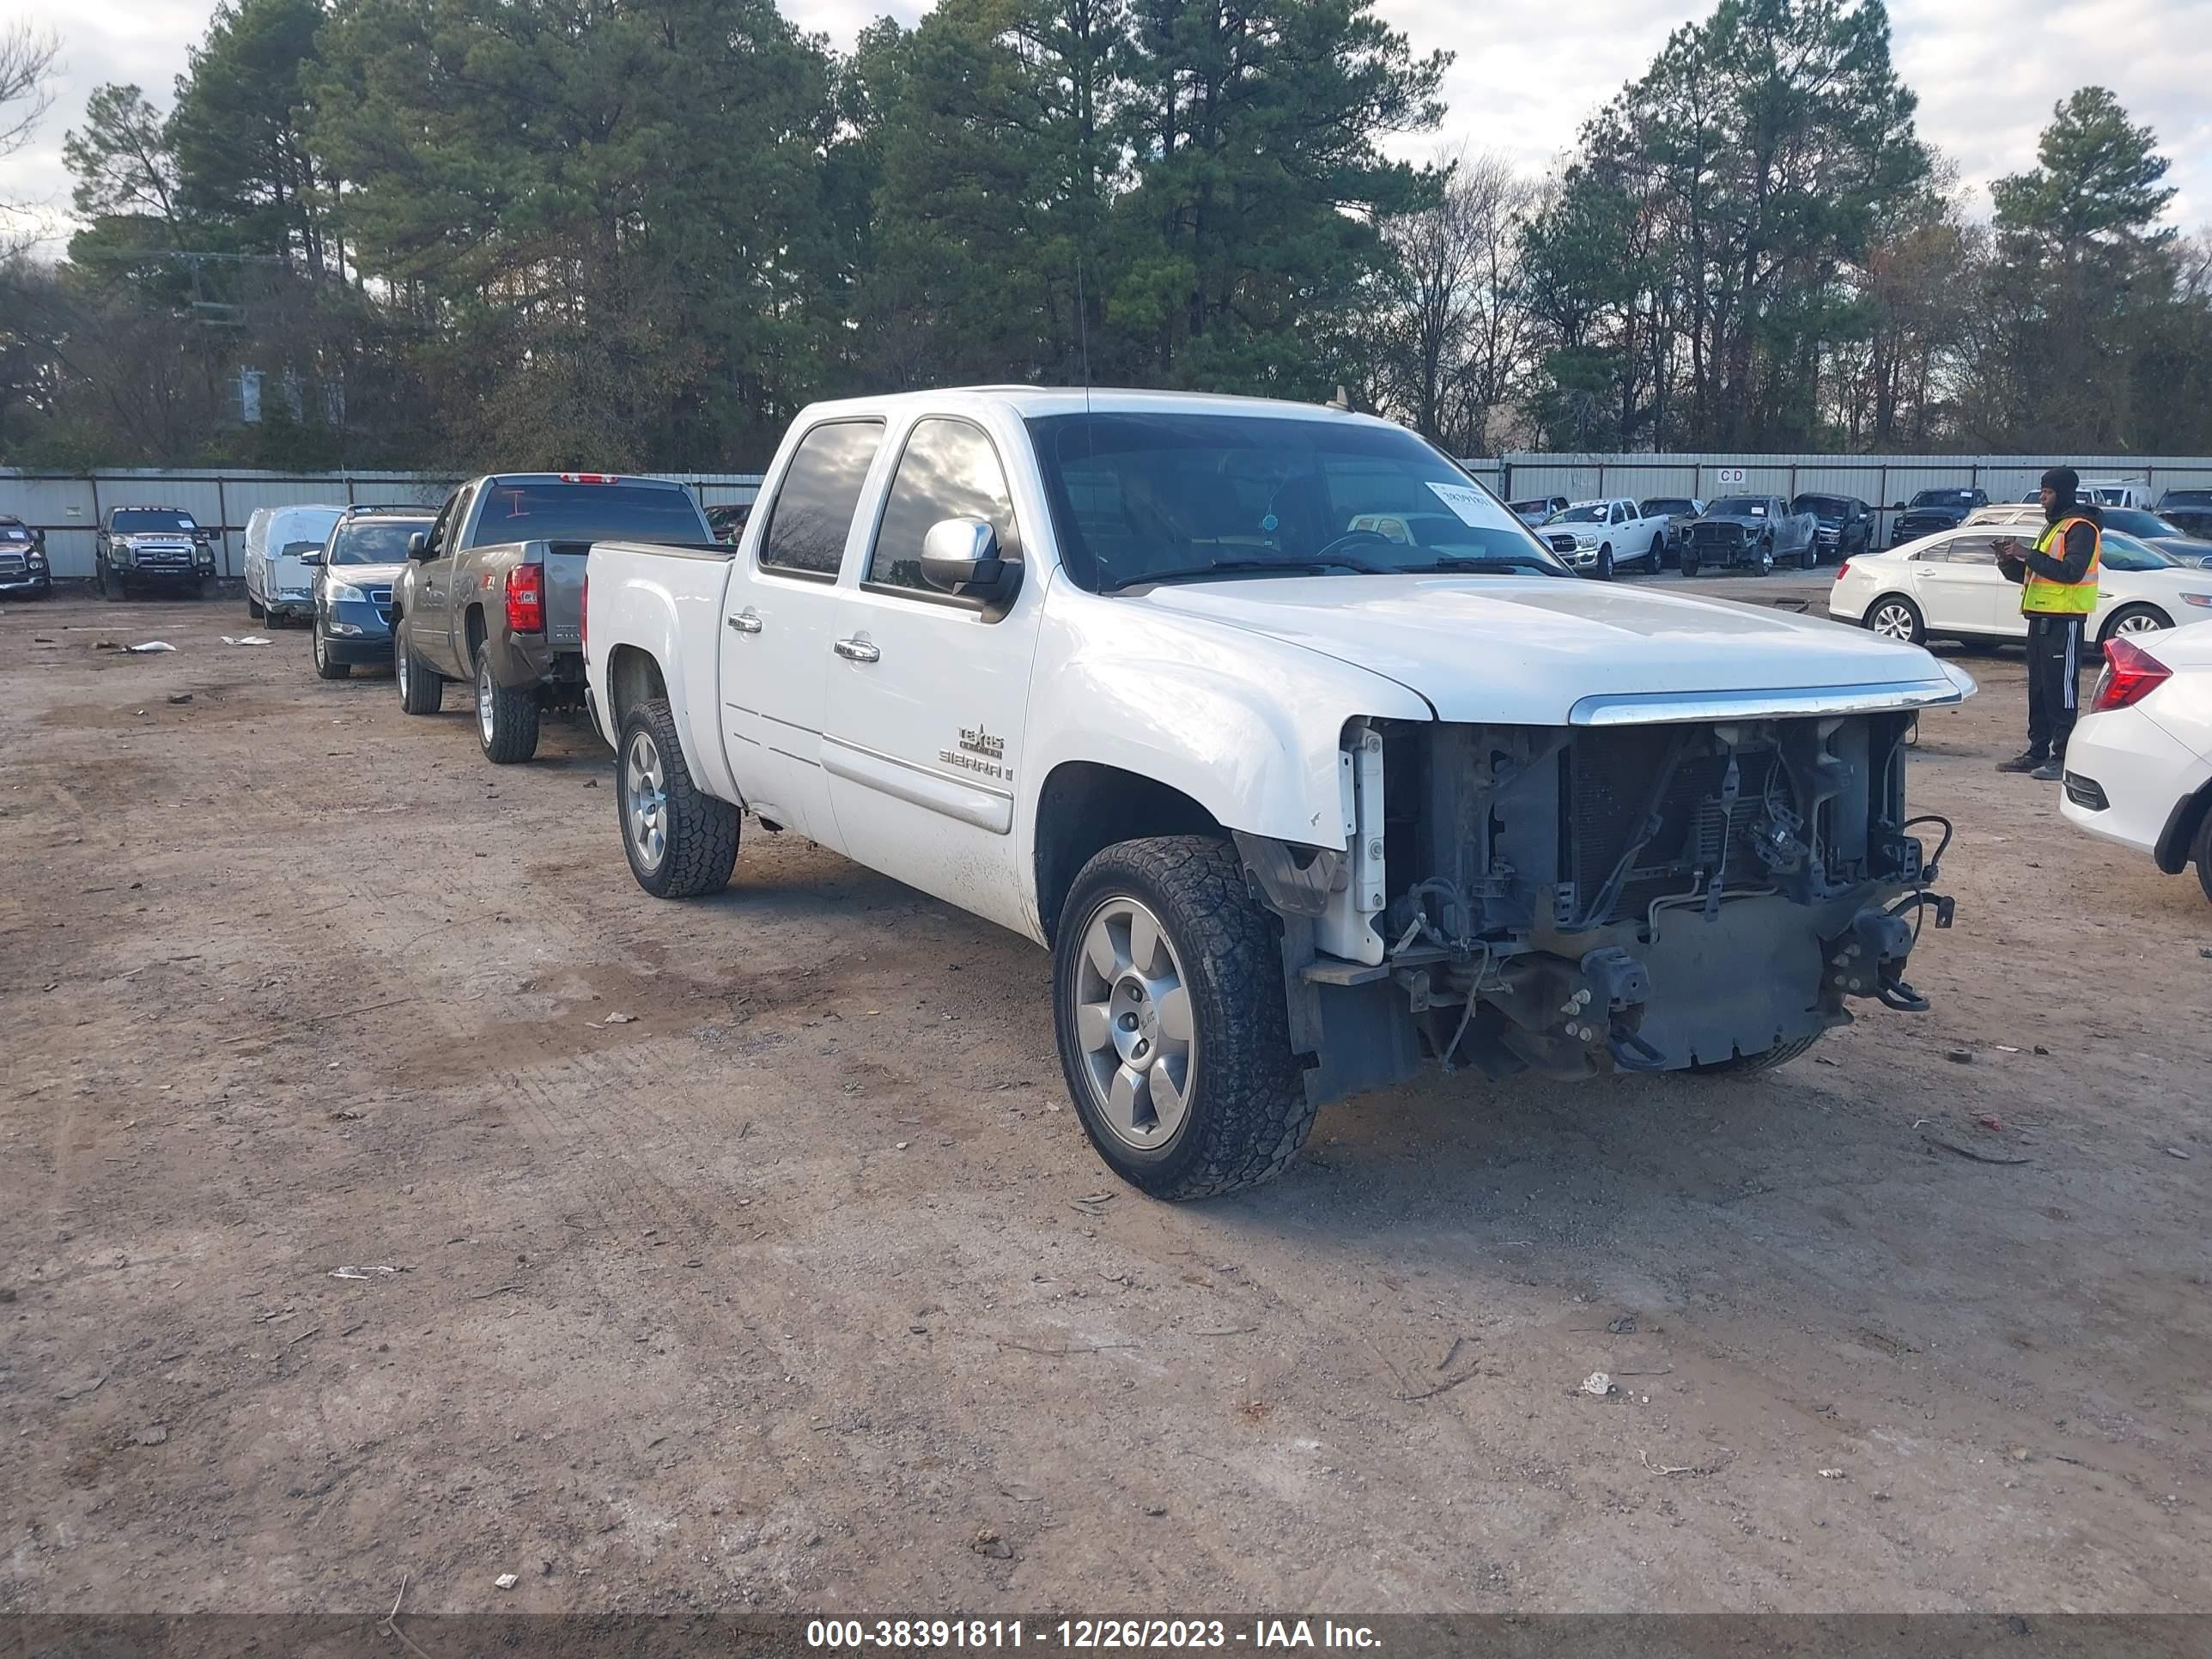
549, 511
140, 520
1165, 496
375, 541
1739, 507
1588, 513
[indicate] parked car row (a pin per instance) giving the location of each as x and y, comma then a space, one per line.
1758, 533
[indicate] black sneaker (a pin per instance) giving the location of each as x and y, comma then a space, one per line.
2051, 771
2026, 762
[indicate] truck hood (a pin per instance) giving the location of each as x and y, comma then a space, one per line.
1546, 652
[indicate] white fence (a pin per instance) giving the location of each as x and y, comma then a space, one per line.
67, 507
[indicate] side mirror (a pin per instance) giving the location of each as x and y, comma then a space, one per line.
961, 557
1894, 507
418, 546
315, 557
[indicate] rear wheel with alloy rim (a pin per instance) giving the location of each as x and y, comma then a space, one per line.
2135, 619
326, 667
507, 716
681, 842
1895, 618
1169, 1008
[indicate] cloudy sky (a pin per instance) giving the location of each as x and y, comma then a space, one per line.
1527, 72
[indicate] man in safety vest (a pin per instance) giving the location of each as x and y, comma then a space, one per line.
2057, 580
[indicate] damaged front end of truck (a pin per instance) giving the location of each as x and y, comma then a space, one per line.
1639, 890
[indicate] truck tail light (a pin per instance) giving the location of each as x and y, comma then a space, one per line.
584, 615
525, 599
2131, 674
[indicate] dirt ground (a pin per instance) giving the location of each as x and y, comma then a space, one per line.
797, 1289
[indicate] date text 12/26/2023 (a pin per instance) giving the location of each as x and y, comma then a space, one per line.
855, 1635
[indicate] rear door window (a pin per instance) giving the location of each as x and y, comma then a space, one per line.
821, 490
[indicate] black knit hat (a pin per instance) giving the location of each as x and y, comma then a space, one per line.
2066, 481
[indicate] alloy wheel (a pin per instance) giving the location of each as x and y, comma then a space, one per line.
1893, 622
1135, 1024
485, 722
645, 800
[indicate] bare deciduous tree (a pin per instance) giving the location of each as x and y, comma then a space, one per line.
1457, 346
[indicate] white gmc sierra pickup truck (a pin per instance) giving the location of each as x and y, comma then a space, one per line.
1308, 761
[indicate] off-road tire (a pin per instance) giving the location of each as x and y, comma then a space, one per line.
702, 829
421, 690
1745, 1064
514, 735
327, 667
1249, 1113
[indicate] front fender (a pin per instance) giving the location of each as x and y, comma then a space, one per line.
1246, 725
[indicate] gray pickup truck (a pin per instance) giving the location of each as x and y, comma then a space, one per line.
494, 593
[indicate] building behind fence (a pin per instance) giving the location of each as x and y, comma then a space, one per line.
67, 507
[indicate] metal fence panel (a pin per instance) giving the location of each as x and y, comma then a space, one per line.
67, 508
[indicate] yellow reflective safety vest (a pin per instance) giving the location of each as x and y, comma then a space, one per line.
2039, 596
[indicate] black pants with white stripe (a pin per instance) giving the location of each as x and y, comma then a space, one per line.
2054, 669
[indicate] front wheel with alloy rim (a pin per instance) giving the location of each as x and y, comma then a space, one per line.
327, 667
1896, 618
421, 690
2133, 619
1605, 564
681, 842
1168, 1004
1766, 558
507, 716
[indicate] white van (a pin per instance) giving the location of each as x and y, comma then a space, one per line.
276, 583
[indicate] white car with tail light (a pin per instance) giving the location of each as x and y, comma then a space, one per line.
1948, 586
1307, 760
2139, 764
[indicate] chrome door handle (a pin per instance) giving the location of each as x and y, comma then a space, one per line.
745, 622
856, 651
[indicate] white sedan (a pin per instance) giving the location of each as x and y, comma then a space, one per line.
1950, 586
2139, 765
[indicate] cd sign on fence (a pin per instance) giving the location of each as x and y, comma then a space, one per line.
1731, 474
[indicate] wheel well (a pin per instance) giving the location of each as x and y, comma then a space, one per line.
1085, 807
2178, 841
633, 677
476, 634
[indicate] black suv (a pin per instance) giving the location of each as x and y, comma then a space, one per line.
152, 547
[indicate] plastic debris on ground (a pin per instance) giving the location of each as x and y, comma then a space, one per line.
152, 645
242, 639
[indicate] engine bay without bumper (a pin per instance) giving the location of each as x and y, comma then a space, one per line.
1576, 901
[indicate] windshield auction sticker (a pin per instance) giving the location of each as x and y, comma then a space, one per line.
1466, 502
